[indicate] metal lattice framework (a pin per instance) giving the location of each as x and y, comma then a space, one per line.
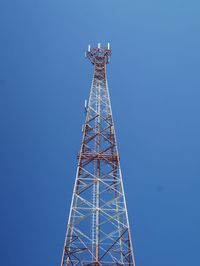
98, 230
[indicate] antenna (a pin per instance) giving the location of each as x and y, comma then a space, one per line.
85, 105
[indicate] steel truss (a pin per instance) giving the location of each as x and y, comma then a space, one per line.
98, 230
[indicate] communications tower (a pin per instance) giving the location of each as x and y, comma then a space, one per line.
98, 231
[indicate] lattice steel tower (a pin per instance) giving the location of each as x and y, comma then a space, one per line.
98, 231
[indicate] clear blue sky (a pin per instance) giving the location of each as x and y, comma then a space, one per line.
154, 80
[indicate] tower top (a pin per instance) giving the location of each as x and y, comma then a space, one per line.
99, 54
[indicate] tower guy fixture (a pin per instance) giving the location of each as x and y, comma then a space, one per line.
98, 231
